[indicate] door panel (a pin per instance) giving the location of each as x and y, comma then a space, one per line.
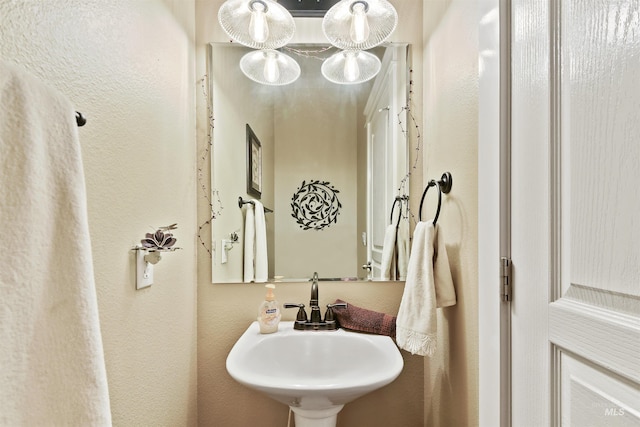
591, 393
575, 206
380, 190
597, 318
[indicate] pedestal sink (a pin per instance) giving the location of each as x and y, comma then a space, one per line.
314, 372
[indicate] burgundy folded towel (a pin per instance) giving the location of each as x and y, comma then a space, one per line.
363, 320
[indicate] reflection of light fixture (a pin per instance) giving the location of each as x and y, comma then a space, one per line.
350, 67
271, 70
270, 67
350, 25
359, 24
259, 24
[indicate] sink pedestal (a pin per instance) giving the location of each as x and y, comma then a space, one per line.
317, 417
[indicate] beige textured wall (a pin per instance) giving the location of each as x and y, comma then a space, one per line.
451, 122
129, 67
225, 310
328, 116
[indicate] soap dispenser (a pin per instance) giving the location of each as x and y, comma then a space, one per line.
269, 312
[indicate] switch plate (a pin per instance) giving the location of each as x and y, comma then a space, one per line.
144, 270
225, 251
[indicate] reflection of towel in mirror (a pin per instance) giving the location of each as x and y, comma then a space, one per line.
387, 263
428, 285
51, 353
402, 248
255, 244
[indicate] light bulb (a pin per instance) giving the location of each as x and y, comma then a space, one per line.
359, 23
351, 68
258, 27
271, 69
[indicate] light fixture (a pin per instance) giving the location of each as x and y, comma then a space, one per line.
270, 67
350, 67
258, 24
350, 25
359, 24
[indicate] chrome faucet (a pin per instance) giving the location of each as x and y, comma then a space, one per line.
315, 323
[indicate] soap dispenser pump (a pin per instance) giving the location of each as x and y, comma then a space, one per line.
269, 312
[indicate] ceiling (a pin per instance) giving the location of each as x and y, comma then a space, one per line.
307, 8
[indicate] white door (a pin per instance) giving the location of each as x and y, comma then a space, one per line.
575, 213
386, 148
380, 189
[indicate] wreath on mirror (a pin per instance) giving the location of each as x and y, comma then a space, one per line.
315, 205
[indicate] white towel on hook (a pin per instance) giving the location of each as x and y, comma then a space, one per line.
51, 353
428, 285
261, 262
249, 244
387, 261
402, 247
256, 265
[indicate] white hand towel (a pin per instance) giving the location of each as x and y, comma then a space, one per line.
428, 285
51, 354
256, 264
249, 244
402, 248
387, 262
261, 262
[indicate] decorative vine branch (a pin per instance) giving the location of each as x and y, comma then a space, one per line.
402, 189
309, 53
208, 151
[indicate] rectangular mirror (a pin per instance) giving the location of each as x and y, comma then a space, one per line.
330, 161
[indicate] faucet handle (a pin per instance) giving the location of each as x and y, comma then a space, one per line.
338, 305
329, 316
302, 315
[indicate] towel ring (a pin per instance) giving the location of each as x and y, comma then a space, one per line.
444, 186
432, 183
398, 200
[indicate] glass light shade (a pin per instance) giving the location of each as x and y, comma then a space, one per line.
359, 24
350, 67
270, 67
360, 31
258, 24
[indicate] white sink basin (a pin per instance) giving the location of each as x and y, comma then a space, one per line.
314, 372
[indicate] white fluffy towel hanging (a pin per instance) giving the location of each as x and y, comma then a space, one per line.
429, 285
51, 356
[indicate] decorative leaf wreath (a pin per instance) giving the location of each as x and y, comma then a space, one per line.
315, 205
